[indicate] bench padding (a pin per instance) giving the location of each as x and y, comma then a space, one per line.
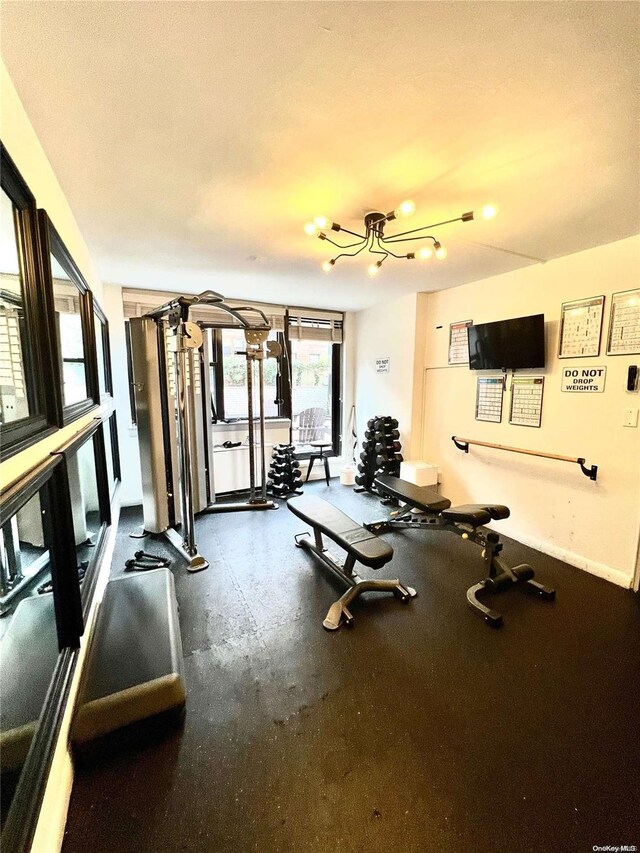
421, 497
366, 547
476, 514
134, 670
429, 501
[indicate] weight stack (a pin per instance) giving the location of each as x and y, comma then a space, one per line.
284, 472
380, 452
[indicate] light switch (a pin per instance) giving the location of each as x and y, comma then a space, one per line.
630, 418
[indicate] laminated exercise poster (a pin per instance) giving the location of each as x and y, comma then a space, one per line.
526, 400
459, 342
624, 323
489, 399
580, 327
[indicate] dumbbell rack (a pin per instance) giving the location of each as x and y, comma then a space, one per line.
284, 472
380, 452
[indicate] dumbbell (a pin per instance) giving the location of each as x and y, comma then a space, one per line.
390, 435
388, 446
384, 459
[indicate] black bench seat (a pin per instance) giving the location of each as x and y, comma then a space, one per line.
360, 544
421, 497
366, 547
429, 501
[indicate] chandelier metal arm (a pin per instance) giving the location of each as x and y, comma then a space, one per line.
353, 233
463, 218
410, 239
348, 245
352, 254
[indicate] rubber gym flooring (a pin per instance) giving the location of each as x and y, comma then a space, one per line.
418, 730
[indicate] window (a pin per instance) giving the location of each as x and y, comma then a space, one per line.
103, 355
41, 620
89, 490
315, 352
27, 405
234, 375
73, 323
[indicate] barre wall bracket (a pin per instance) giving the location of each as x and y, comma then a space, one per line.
461, 445
591, 473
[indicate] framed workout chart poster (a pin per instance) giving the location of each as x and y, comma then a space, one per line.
459, 342
581, 327
526, 400
489, 399
624, 323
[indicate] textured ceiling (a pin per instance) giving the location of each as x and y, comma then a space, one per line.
193, 140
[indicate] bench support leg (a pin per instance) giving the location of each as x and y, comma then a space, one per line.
339, 613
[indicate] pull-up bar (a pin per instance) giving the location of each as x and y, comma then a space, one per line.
463, 444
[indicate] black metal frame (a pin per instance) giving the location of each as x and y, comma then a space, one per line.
51, 244
92, 432
50, 480
217, 364
336, 392
499, 578
41, 393
106, 347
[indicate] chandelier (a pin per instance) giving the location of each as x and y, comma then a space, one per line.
375, 240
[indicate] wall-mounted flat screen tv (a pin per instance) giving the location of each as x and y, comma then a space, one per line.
515, 344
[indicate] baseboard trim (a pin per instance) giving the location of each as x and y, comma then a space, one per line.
578, 560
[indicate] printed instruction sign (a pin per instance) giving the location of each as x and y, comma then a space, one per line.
459, 342
526, 400
589, 380
383, 365
489, 399
624, 323
580, 327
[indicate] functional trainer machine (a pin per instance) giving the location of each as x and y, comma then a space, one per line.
424, 508
171, 355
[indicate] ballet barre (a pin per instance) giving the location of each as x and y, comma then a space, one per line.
463, 444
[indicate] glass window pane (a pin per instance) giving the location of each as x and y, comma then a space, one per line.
235, 378
83, 487
69, 320
311, 392
28, 639
14, 402
102, 372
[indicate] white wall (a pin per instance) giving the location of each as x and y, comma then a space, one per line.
594, 525
389, 330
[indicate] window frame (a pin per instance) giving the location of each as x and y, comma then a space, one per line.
51, 244
50, 480
217, 365
99, 314
39, 382
92, 432
336, 394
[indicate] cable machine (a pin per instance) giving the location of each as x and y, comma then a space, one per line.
171, 356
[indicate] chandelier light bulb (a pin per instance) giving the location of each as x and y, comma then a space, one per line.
374, 268
489, 211
441, 252
323, 223
311, 229
425, 253
327, 266
406, 208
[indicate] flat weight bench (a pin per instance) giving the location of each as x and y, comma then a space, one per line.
425, 508
360, 544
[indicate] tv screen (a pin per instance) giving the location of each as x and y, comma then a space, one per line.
515, 344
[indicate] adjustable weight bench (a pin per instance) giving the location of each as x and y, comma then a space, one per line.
360, 544
426, 509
